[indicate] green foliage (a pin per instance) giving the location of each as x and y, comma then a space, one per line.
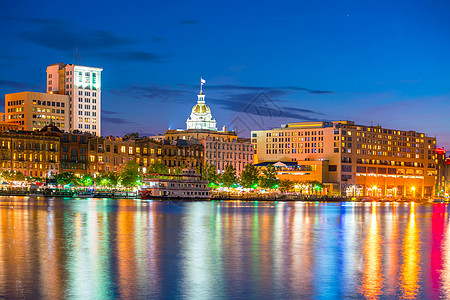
108, 179
209, 172
269, 179
12, 175
86, 180
66, 178
250, 176
286, 185
229, 178
130, 175
158, 167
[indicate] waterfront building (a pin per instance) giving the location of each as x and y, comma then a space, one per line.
112, 154
74, 152
34, 153
34, 110
351, 159
442, 170
221, 148
83, 85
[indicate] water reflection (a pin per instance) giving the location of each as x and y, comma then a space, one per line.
372, 281
411, 258
103, 249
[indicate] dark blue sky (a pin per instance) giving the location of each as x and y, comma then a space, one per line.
379, 62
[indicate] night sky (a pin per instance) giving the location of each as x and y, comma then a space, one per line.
265, 63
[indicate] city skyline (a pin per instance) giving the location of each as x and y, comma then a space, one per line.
380, 63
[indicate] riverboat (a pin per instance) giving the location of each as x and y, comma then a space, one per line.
185, 186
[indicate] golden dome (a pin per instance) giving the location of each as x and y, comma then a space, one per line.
201, 108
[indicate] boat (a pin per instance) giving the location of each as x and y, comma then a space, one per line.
85, 195
185, 186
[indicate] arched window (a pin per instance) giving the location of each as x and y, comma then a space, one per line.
74, 154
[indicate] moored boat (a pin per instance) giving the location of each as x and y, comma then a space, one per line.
187, 185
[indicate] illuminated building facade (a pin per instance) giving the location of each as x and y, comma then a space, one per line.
354, 159
83, 85
5, 125
112, 154
34, 110
442, 169
201, 117
32, 153
74, 152
221, 148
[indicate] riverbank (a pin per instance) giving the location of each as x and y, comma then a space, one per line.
72, 193
119, 194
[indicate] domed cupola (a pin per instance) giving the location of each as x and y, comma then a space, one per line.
201, 117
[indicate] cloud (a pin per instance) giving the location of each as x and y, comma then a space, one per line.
260, 101
259, 88
189, 22
62, 37
158, 39
108, 112
18, 85
115, 120
133, 56
154, 92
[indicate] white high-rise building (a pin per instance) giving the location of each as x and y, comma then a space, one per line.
83, 85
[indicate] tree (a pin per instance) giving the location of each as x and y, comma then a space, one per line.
286, 185
159, 168
229, 177
114, 179
12, 175
66, 178
250, 176
132, 135
209, 172
315, 186
130, 175
86, 180
269, 178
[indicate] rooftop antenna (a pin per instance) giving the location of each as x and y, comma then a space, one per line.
77, 56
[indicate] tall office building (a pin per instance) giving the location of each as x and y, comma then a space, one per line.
34, 110
83, 85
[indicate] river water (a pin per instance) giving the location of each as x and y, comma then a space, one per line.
133, 249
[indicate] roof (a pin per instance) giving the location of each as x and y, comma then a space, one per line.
278, 164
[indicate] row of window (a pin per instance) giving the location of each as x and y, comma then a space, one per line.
16, 102
87, 120
87, 113
87, 93
87, 126
43, 123
49, 103
37, 116
48, 110
294, 133
80, 106
87, 100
